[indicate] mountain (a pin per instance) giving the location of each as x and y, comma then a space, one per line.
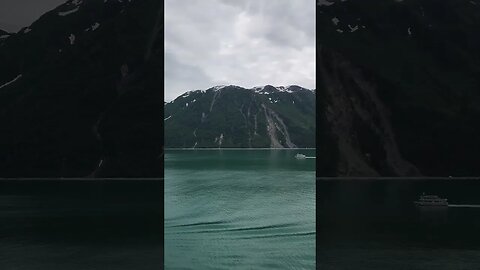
7, 27
232, 116
80, 92
3, 36
398, 87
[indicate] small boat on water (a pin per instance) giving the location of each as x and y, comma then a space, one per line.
431, 200
300, 156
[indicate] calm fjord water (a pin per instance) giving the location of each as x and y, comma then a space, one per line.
239, 209
81, 225
374, 224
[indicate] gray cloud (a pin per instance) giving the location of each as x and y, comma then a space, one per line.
15, 14
241, 42
181, 75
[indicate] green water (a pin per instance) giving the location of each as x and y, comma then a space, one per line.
239, 209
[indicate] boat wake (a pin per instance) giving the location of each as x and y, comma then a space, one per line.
465, 205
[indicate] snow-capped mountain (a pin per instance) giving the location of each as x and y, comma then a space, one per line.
233, 116
397, 93
80, 92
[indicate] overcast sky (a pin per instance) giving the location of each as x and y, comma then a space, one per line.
241, 42
15, 14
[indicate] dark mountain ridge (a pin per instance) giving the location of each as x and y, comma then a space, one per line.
82, 94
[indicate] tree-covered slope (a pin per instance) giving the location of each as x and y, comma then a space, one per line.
401, 80
81, 93
232, 116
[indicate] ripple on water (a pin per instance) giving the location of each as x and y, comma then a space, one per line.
241, 210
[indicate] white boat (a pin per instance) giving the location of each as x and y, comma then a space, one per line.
431, 200
300, 156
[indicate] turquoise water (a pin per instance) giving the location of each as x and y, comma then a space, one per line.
239, 209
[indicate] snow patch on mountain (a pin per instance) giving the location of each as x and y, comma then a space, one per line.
95, 26
287, 89
65, 13
260, 90
353, 28
325, 3
76, 2
219, 87
10, 82
72, 39
335, 20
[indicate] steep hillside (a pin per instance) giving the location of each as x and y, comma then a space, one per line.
232, 116
80, 92
3, 36
400, 81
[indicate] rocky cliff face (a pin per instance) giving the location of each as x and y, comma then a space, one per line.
398, 87
232, 116
358, 121
80, 92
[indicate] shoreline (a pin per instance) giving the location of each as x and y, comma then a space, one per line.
250, 149
394, 178
4, 179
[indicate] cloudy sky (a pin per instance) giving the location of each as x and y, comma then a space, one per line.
241, 42
15, 14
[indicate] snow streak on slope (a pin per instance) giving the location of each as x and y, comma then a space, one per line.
10, 82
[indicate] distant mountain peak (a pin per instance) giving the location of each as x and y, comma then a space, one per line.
271, 88
257, 89
234, 116
220, 87
260, 90
4, 33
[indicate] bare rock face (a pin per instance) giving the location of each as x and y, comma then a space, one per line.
359, 121
398, 88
